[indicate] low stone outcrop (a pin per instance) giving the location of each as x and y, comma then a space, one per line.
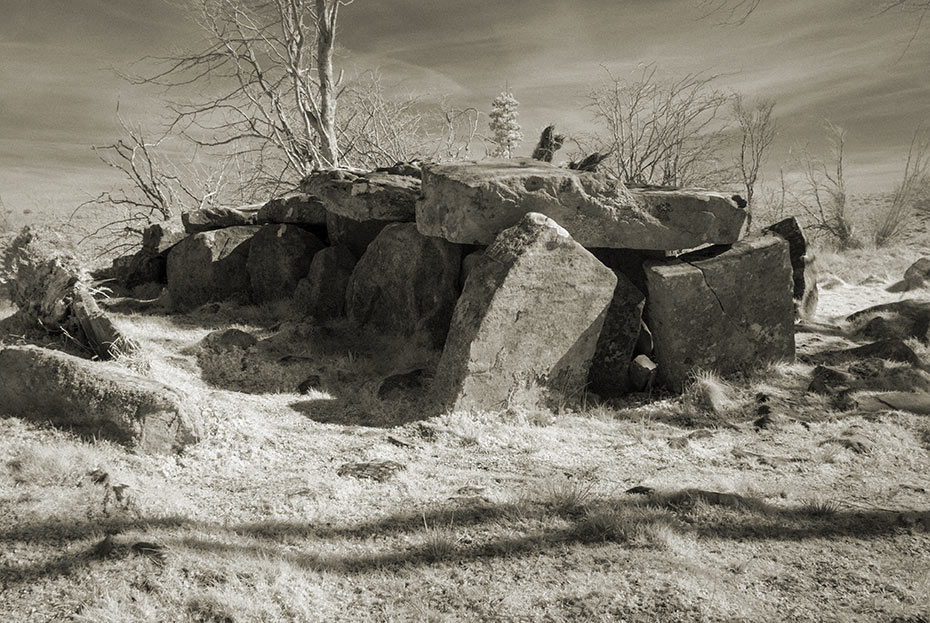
609, 376
210, 266
293, 209
322, 294
526, 326
806, 293
279, 257
209, 219
405, 284
723, 310
472, 202
94, 399
901, 320
376, 196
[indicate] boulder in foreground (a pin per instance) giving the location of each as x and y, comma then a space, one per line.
722, 310
527, 323
472, 202
94, 399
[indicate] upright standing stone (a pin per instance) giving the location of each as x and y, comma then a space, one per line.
355, 235
210, 266
406, 284
806, 293
279, 257
722, 310
527, 323
609, 376
322, 294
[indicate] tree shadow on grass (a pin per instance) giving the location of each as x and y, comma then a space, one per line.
624, 519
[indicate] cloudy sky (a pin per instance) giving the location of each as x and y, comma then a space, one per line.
831, 59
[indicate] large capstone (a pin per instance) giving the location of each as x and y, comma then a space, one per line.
209, 219
279, 257
322, 294
210, 266
377, 196
406, 284
526, 326
94, 399
472, 202
721, 309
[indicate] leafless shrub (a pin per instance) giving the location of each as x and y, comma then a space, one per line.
913, 188
757, 131
662, 132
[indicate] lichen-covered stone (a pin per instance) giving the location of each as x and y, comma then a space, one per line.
376, 196
472, 202
406, 284
526, 325
279, 257
721, 309
94, 399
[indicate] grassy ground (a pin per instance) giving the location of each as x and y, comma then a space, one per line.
810, 515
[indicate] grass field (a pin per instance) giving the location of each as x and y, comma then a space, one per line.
280, 512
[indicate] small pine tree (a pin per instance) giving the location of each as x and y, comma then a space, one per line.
505, 129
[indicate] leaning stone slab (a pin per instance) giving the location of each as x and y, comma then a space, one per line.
279, 257
472, 202
210, 266
94, 399
406, 284
526, 325
377, 196
722, 310
215, 218
293, 209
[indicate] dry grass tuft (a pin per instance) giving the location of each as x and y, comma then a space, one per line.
710, 394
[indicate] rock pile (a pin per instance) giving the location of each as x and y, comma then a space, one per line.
537, 282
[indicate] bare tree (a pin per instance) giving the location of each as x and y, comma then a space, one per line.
757, 131
264, 82
662, 133
823, 193
913, 189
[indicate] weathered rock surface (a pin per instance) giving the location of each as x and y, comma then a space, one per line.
472, 202
225, 340
405, 284
95, 399
209, 219
806, 292
526, 326
210, 266
468, 263
609, 376
376, 196
356, 235
279, 257
917, 274
721, 310
293, 209
322, 294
